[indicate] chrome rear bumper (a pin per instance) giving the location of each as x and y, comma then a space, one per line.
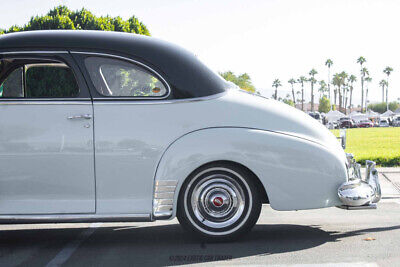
359, 193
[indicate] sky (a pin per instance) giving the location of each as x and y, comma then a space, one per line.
268, 39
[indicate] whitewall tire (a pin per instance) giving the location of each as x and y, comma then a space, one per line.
219, 201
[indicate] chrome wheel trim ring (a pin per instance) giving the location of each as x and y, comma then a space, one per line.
230, 214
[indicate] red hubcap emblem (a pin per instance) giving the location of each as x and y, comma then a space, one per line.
218, 201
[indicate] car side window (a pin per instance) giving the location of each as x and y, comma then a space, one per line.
50, 80
40, 80
118, 78
13, 85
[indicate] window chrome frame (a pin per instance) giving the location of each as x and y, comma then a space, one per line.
106, 100
45, 100
151, 70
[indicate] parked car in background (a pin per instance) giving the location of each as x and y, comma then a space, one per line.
105, 126
384, 123
332, 125
396, 121
316, 115
365, 124
346, 122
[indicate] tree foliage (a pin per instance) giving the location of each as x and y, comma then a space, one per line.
276, 84
381, 107
243, 80
63, 18
287, 101
324, 104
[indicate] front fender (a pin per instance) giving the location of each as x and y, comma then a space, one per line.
296, 173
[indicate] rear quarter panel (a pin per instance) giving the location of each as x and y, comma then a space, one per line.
296, 173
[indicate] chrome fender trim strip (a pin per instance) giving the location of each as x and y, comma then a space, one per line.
76, 218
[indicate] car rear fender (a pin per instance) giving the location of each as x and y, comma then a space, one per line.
296, 173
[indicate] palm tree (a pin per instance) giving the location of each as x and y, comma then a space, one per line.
339, 80
367, 80
292, 82
276, 84
383, 84
387, 71
364, 73
361, 61
322, 88
337, 83
352, 79
298, 93
312, 80
329, 63
302, 80
334, 92
342, 76
345, 93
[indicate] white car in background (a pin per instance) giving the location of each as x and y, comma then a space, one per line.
396, 121
383, 123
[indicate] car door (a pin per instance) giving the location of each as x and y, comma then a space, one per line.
46, 135
130, 131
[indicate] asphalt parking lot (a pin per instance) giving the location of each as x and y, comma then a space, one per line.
327, 236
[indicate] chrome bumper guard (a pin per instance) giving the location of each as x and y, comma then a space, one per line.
359, 193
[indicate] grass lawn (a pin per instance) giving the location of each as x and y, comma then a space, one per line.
381, 145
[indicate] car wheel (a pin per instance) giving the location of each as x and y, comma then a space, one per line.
219, 202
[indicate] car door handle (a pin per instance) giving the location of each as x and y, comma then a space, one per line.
85, 116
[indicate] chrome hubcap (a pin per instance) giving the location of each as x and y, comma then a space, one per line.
218, 201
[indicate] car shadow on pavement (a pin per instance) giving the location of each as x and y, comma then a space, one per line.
166, 244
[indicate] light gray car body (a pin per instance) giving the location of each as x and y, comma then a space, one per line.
109, 165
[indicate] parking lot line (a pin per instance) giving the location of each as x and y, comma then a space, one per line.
69, 249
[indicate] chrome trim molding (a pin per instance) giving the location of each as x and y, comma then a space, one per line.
359, 192
78, 218
33, 52
114, 100
163, 199
134, 62
47, 101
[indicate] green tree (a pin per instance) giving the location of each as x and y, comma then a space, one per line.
288, 102
383, 84
387, 71
243, 80
324, 105
381, 107
292, 82
63, 18
312, 81
276, 84
302, 80
361, 61
329, 63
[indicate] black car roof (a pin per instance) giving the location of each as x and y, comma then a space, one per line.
186, 75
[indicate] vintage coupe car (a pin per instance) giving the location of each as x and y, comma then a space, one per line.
100, 126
